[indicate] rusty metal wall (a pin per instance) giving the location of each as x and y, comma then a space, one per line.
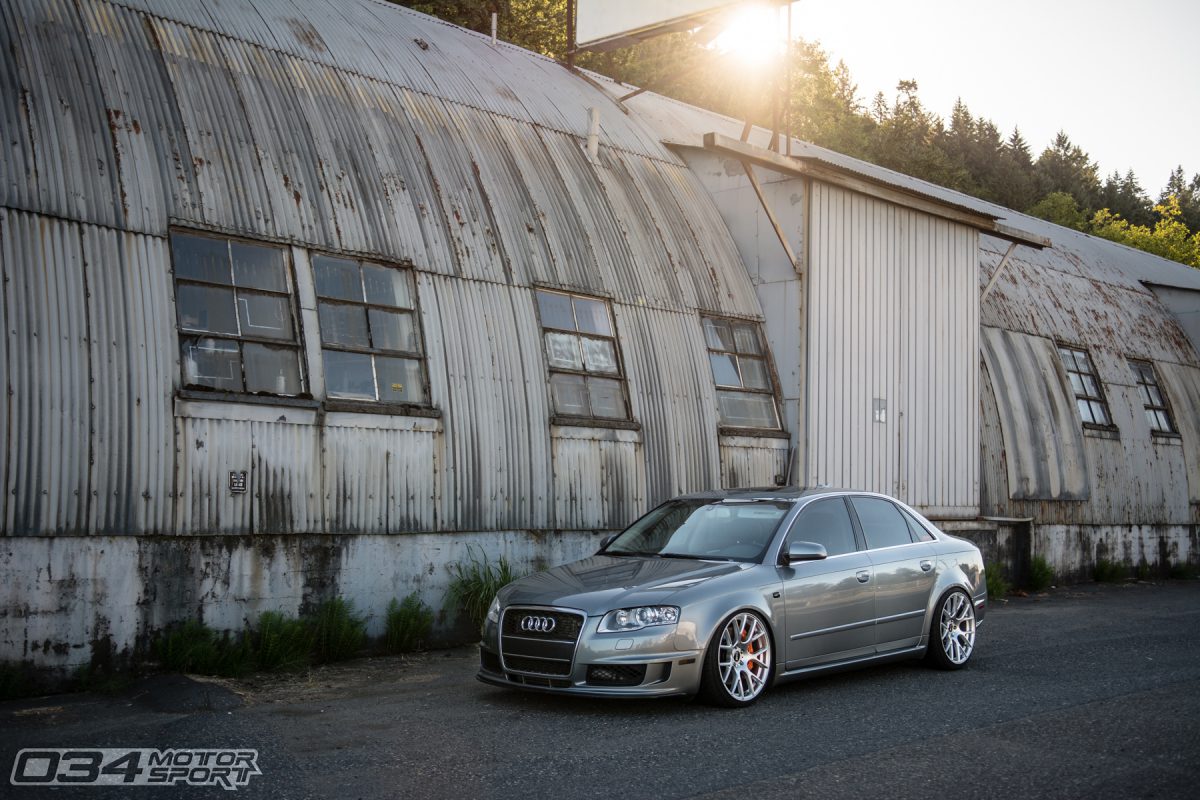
878, 334
751, 461
349, 127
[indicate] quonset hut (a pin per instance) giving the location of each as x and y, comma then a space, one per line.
307, 298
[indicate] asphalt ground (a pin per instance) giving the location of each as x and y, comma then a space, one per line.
1081, 692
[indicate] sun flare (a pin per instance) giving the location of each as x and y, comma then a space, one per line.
752, 34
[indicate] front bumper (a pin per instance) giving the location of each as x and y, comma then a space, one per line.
668, 671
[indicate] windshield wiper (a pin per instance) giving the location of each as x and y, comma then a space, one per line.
679, 555
641, 553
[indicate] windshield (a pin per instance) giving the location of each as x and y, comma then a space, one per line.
724, 530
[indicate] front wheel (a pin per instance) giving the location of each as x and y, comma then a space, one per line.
952, 634
738, 665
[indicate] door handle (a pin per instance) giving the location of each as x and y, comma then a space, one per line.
926, 565
864, 576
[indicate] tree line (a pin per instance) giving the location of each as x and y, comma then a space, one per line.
820, 103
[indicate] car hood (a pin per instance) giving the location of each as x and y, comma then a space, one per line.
601, 583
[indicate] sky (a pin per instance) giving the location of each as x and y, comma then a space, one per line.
1122, 79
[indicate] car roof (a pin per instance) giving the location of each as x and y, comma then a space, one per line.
782, 493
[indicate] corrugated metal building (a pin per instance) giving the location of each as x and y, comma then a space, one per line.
305, 297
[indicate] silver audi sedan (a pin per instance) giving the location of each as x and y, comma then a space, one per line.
722, 594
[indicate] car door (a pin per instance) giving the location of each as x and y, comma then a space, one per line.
829, 604
903, 572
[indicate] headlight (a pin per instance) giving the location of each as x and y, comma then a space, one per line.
631, 619
494, 610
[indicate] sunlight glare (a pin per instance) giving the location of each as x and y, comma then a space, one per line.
753, 35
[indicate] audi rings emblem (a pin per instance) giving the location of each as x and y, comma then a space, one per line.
538, 624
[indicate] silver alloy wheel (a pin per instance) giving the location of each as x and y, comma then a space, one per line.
744, 657
957, 628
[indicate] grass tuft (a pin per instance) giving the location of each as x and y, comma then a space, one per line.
997, 581
473, 584
281, 643
1107, 571
1041, 574
195, 647
338, 634
408, 625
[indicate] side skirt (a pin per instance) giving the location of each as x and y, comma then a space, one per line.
854, 663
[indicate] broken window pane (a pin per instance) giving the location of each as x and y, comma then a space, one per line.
607, 399
215, 363
718, 335
569, 394
258, 267
206, 308
724, 369
386, 286
562, 351
400, 380
599, 355
343, 324
747, 410
349, 375
264, 315
592, 316
556, 311
337, 278
271, 369
394, 330
200, 258
746, 338
754, 373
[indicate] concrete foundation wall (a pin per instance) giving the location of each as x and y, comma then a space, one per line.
71, 601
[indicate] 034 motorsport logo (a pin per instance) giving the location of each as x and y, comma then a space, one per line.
229, 769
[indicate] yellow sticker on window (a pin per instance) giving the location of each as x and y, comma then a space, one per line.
397, 387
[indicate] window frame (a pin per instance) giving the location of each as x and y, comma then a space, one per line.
290, 294
1172, 431
764, 355
424, 407
620, 376
1094, 374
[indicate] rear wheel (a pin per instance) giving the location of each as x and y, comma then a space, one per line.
952, 634
739, 664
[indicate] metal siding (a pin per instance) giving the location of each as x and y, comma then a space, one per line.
206, 451
132, 369
672, 397
1043, 441
285, 478
156, 174
496, 404
892, 318
750, 461
225, 158
62, 109
48, 381
993, 473
1182, 387
599, 480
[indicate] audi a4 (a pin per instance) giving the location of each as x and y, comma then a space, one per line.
723, 594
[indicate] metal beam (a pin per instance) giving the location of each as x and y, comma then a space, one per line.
762, 199
870, 186
992, 280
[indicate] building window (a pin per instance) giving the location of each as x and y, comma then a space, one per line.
745, 393
581, 351
237, 328
370, 339
1089, 398
1158, 414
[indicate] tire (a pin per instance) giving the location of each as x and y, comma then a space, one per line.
952, 632
739, 665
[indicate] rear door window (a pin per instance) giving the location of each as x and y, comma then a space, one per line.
881, 521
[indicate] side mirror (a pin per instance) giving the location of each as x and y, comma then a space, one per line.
607, 540
804, 551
